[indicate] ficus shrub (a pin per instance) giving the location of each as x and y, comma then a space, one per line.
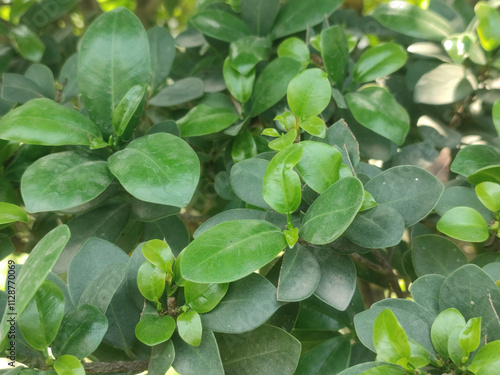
282, 188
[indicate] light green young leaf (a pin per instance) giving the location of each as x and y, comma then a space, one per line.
488, 28
68, 365
203, 298
390, 340
284, 141
10, 213
296, 49
489, 195
314, 126
487, 359
465, 224
470, 335
309, 93
189, 327
153, 329
159, 254
442, 327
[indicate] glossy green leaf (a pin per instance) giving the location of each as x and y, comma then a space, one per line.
458, 46
287, 121
267, 350
126, 108
114, 57
379, 227
390, 340
162, 356
470, 336
248, 304
413, 21
231, 250
457, 355
159, 254
220, 25
27, 43
298, 15
43, 12
157, 168
432, 254
44, 122
464, 223
239, 85
244, 146
181, 91
296, 49
203, 298
60, 181
153, 330
246, 52
36, 268
309, 93
151, 281
284, 141
341, 136
229, 215
487, 360
68, 365
473, 158
282, 187
489, 194
490, 174
457, 196
10, 213
204, 119
162, 51
412, 191
189, 327
446, 322
42, 317
379, 61
335, 54
488, 27
299, 275
368, 202
332, 212
375, 108
259, 15
314, 126
272, 83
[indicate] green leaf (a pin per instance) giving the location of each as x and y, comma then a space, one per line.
158, 168
248, 304
465, 224
68, 365
489, 194
296, 49
446, 322
44, 122
335, 54
151, 281
314, 126
246, 52
162, 51
458, 46
27, 43
64, 180
16, 88
287, 121
259, 15
284, 141
379, 61
267, 350
412, 191
298, 15
203, 119
496, 115
491, 174
220, 25
239, 85
162, 356
472, 158
470, 336
338, 279
42, 317
425, 291
309, 93
126, 108
244, 146
282, 187
203, 298
159, 254
413, 21
272, 83
390, 340
10, 213
433, 254
374, 368
487, 360
379, 227
330, 357
81, 332
43, 77
229, 215
457, 355
231, 250
341, 136
332, 212
299, 275
488, 28
36, 268
181, 91
375, 108
150, 212
444, 84
456, 196
114, 57
153, 330
368, 202
247, 178
189, 327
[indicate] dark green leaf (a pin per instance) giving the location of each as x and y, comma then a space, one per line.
165, 169
10, 213
27, 43
309, 93
341, 136
230, 215
332, 212
43, 12
374, 368
68, 365
464, 223
162, 356
61, 181
16, 88
244, 146
443, 326
153, 330
171, 229
379, 61
181, 91
220, 25
204, 119
162, 51
268, 351
203, 298
114, 57
425, 291
43, 77
491, 174
335, 54
149, 212
496, 116
68, 78
330, 357
473, 158
247, 178
231, 250
259, 15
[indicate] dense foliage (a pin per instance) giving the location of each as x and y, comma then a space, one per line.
353, 161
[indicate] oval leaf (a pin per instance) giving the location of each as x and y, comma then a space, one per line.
464, 223
309, 93
10, 213
203, 119
379, 61
153, 330
203, 298
189, 327
68, 365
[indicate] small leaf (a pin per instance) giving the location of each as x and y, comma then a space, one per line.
246, 52
379, 61
27, 43
10, 213
239, 85
457, 355
486, 361
489, 195
314, 126
189, 327
390, 339
444, 324
204, 119
458, 46
203, 298
153, 330
151, 281
127, 107
284, 141
368, 202
244, 146
309, 93
296, 49
159, 254
465, 224
488, 28
286, 120
470, 336
68, 365
292, 236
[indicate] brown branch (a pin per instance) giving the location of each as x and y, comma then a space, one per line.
459, 114
114, 367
